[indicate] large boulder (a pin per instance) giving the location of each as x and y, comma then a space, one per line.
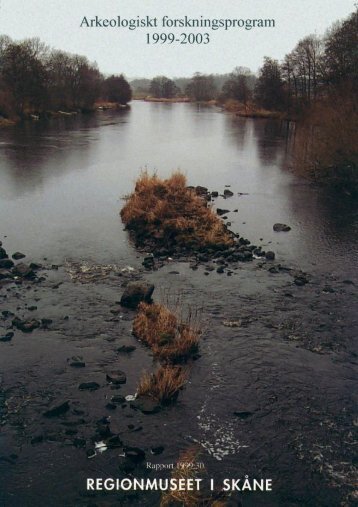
281, 228
3, 254
135, 293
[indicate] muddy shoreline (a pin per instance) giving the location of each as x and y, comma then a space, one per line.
290, 355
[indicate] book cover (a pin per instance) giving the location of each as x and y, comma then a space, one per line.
178, 253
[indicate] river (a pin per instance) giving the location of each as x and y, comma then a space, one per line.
289, 365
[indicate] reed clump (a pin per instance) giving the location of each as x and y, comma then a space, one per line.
166, 213
163, 385
170, 338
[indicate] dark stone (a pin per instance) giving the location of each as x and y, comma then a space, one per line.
57, 410
228, 193
88, 386
220, 270
6, 264
135, 454
32, 308
125, 465
114, 442
111, 406
79, 442
300, 280
214, 194
126, 349
7, 337
3, 254
243, 414
118, 398
23, 270
35, 266
146, 405
270, 256
4, 274
281, 228
37, 439
18, 255
220, 211
26, 326
135, 292
46, 322
157, 450
116, 377
201, 190
76, 362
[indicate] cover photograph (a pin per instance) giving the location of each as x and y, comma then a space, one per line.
178, 253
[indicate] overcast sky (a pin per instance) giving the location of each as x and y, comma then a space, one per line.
116, 50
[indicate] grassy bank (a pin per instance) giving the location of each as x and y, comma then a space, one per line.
249, 110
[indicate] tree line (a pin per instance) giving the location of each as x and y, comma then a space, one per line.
35, 79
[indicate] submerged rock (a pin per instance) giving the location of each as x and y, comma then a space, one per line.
18, 255
23, 270
57, 410
3, 254
126, 349
281, 227
146, 405
26, 326
88, 386
134, 454
228, 193
220, 211
7, 337
6, 264
270, 256
116, 377
135, 293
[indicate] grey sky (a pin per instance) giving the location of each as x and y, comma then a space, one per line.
57, 22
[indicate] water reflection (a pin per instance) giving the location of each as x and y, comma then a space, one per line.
61, 181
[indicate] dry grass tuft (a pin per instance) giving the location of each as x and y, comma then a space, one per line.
190, 498
163, 385
171, 214
170, 338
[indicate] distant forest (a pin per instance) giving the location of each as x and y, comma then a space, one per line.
35, 79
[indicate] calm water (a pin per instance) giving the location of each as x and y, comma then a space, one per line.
61, 182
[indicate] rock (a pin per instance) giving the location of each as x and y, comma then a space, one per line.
114, 442
146, 405
18, 255
7, 337
281, 228
270, 256
4, 274
88, 386
228, 193
220, 270
76, 362
35, 266
3, 254
215, 194
136, 292
57, 410
148, 261
116, 377
23, 270
135, 454
126, 349
157, 450
6, 264
220, 211
201, 190
32, 308
300, 280
118, 398
243, 414
46, 322
26, 326
37, 439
